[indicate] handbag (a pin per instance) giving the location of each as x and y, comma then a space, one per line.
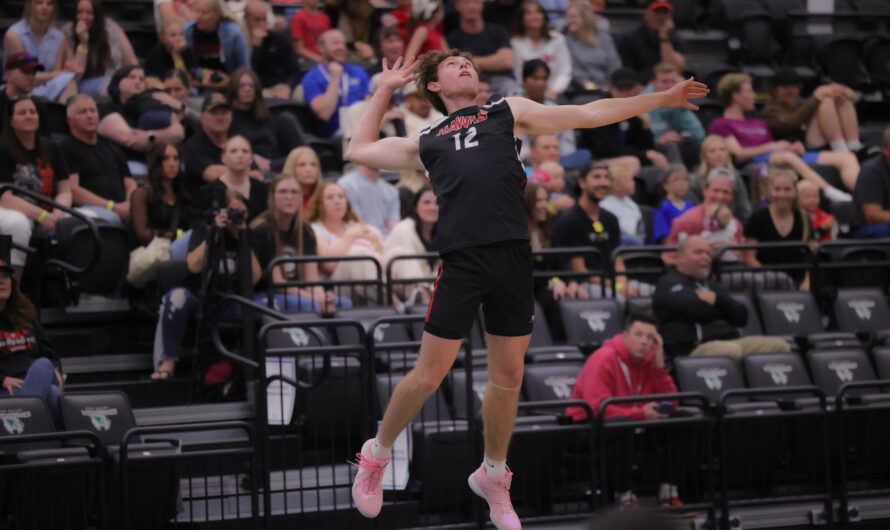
144, 260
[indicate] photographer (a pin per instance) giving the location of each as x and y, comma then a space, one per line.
218, 266
236, 158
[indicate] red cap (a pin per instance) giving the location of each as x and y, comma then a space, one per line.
660, 4
22, 60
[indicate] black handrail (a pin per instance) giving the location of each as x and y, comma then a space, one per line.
214, 328
267, 274
54, 262
195, 427
402, 281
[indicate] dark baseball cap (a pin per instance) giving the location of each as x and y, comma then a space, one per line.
215, 100
624, 77
23, 61
660, 4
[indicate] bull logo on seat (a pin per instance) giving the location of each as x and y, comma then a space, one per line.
561, 385
13, 425
862, 308
596, 320
298, 336
843, 369
778, 372
713, 377
791, 311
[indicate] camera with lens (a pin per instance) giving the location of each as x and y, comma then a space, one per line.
236, 215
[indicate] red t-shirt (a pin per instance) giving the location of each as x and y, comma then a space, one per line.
308, 27
819, 233
433, 40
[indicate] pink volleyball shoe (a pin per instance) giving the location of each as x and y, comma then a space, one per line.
367, 491
496, 491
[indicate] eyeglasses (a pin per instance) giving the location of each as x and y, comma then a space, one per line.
246, 83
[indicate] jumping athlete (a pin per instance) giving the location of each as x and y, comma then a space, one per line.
472, 160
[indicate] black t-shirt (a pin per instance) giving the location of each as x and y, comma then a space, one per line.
256, 202
275, 60
640, 51
133, 109
473, 164
264, 245
42, 171
625, 138
873, 185
492, 38
574, 228
208, 50
159, 61
101, 167
198, 153
258, 133
20, 347
760, 226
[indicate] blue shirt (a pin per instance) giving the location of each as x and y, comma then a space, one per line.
664, 218
353, 88
46, 50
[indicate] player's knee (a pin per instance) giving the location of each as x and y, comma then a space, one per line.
427, 380
507, 376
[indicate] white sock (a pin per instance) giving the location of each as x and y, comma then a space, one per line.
626, 496
664, 491
854, 145
378, 450
495, 468
674, 491
839, 145
835, 195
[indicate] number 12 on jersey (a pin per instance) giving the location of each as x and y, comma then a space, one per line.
469, 139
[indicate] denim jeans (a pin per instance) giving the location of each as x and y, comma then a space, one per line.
40, 380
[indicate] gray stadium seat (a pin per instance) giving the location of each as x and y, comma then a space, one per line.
555, 354
833, 368
712, 376
588, 323
550, 381
753, 325
862, 311
779, 370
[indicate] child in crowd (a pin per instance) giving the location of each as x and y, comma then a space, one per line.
720, 227
824, 225
675, 203
551, 176
620, 204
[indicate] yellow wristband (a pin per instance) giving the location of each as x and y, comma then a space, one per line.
42, 216
178, 233
110, 205
81, 48
618, 287
180, 64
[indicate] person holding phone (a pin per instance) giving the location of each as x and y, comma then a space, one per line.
631, 364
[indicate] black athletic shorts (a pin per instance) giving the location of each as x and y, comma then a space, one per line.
498, 276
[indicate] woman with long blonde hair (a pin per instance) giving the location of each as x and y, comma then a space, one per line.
593, 52
340, 232
303, 164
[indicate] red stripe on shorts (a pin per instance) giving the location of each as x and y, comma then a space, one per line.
433, 297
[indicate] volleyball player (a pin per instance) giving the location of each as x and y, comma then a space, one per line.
472, 160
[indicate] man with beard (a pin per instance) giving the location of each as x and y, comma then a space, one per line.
586, 224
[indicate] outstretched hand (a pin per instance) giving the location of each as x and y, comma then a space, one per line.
400, 74
680, 94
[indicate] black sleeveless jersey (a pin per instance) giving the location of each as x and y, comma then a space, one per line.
472, 159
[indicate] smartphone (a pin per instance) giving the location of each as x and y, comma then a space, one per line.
665, 407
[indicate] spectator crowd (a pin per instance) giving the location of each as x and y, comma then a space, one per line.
233, 125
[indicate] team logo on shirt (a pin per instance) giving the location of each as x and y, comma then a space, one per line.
462, 122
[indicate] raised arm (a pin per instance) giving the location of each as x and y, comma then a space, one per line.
534, 118
365, 147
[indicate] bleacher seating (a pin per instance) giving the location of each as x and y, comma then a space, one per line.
346, 373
